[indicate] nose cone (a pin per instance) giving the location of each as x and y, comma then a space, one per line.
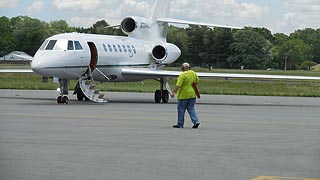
38, 64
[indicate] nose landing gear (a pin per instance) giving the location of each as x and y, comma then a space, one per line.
63, 98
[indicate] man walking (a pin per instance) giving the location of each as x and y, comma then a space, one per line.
185, 88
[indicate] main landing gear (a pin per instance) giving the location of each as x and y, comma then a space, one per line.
63, 97
162, 94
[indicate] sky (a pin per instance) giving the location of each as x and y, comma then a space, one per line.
279, 16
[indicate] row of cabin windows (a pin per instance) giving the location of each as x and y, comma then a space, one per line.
61, 44
120, 48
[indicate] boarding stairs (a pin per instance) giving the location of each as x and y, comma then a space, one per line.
88, 87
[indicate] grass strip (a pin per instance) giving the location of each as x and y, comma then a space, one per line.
212, 86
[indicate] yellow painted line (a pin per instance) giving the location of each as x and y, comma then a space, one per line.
282, 178
264, 178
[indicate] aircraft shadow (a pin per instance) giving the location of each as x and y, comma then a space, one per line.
52, 101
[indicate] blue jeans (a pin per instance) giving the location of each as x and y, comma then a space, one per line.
183, 105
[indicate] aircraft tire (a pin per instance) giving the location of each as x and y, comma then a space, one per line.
80, 95
65, 100
157, 96
59, 99
165, 96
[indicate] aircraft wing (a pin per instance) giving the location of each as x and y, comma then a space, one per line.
178, 21
23, 71
149, 73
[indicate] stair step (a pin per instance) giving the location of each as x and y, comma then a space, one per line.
101, 96
100, 100
88, 88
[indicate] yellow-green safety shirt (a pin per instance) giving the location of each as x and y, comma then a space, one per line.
185, 81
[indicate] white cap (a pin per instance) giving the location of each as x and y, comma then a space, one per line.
185, 65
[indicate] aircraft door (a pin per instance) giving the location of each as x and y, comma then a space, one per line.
94, 55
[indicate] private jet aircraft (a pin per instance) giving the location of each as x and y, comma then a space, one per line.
103, 58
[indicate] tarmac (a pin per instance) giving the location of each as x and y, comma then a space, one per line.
131, 137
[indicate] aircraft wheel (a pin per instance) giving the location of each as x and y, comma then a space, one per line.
165, 96
65, 100
59, 99
80, 95
157, 96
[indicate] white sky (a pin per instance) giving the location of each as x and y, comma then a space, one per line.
284, 16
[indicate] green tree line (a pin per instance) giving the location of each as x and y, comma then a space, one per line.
252, 48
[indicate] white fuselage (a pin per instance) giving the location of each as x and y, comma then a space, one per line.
68, 56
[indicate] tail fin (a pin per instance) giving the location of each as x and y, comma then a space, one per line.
161, 9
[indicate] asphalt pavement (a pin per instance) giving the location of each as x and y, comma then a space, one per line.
130, 137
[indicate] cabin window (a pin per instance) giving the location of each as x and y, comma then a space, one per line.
51, 44
110, 47
124, 48
77, 45
105, 48
115, 48
70, 45
119, 47
134, 49
129, 49
43, 45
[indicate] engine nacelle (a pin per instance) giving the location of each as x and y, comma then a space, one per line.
128, 25
136, 27
165, 54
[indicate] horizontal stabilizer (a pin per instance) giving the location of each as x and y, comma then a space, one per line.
178, 21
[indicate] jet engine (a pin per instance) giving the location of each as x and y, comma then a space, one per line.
165, 54
136, 27
128, 25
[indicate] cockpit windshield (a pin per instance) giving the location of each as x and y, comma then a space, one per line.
77, 45
43, 45
70, 45
61, 45
51, 44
